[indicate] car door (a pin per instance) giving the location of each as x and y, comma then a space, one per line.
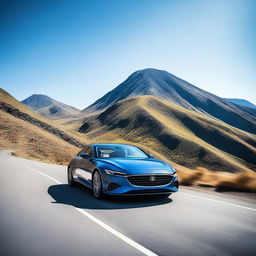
77, 164
85, 166
88, 165
75, 160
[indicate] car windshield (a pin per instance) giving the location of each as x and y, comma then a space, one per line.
124, 151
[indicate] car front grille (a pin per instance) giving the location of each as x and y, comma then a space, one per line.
150, 180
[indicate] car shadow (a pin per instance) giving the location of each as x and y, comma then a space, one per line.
82, 197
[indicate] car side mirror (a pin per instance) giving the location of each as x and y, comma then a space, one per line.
84, 155
151, 156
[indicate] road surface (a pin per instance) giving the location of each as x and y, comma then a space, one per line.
42, 215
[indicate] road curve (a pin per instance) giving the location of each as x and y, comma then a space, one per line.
41, 215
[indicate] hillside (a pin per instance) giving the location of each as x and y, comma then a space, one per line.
187, 139
164, 85
182, 136
30, 135
50, 108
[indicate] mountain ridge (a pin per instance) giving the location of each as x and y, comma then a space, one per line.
164, 85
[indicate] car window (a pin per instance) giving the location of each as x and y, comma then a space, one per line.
123, 151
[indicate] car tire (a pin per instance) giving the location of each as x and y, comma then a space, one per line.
97, 185
71, 181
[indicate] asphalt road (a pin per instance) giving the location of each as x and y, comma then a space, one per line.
41, 215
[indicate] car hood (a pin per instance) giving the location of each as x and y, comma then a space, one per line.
136, 166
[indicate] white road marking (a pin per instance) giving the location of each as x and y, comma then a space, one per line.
117, 233
104, 225
218, 201
47, 176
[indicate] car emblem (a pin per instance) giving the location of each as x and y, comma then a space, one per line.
152, 178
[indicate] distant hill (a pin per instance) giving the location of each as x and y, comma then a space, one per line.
164, 85
185, 137
242, 102
30, 135
50, 108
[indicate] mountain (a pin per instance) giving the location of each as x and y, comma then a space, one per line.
164, 85
179, 135
30, 135
50, 108
242, 102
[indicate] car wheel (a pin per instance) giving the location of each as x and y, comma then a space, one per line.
97, 185
71, 181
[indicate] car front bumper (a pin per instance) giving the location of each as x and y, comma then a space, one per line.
120, 185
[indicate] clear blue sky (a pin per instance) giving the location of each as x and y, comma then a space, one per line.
76, 51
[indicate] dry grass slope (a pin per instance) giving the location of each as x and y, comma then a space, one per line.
7, 98
29, 141
32, 136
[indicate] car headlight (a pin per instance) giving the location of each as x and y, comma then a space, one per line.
110, 172
174, 172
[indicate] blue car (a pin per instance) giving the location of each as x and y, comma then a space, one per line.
121, 169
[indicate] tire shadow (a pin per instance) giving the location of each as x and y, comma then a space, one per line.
82, 197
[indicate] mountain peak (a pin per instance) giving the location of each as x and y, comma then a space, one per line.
49, 107
37, 101
150, 73
149, 81
40, 96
